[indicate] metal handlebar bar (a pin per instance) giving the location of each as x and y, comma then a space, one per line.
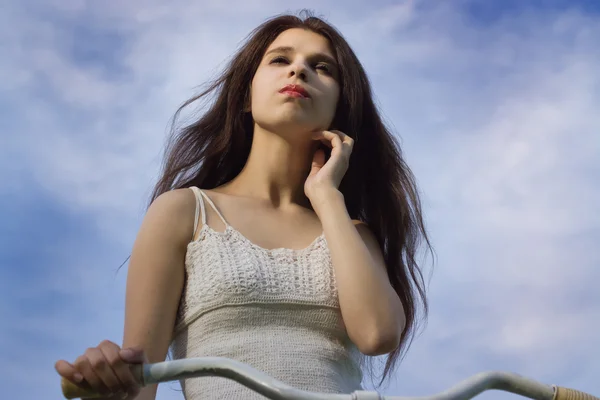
258, 381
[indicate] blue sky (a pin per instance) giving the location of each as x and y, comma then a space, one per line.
496, 104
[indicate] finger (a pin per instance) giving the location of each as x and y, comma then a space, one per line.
121, 369
134, 355
326, 142
103, 368
333, 138
347, 143
320, 136
68, 371
346, 139
339, 133
318, 160
82, 363
328, 135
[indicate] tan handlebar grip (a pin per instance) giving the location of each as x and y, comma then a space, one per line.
561, 393
83, 390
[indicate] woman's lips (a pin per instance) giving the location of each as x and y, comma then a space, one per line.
295, 91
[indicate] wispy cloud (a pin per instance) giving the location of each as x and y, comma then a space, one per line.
497, 112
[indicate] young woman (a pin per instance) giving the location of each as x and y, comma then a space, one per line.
298, 254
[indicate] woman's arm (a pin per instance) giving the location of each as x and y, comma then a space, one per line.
371, 309
155, 277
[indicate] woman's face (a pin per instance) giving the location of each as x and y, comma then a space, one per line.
302, 58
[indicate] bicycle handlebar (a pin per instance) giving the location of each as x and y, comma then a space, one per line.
258, 381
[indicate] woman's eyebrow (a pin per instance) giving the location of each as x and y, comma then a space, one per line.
288, 49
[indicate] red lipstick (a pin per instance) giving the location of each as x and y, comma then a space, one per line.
295, 90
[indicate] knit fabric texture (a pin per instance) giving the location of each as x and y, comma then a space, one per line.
275, 310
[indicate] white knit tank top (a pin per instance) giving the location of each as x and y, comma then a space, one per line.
275, 310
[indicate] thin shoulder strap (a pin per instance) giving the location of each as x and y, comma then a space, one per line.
213, 207
199, 209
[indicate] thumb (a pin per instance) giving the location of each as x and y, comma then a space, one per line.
318, 161
134, 355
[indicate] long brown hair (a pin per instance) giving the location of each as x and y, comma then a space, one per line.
379, 188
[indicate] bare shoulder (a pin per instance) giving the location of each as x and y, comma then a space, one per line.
173, 213
219, 194
177, 201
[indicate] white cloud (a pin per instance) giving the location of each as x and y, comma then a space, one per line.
499, 122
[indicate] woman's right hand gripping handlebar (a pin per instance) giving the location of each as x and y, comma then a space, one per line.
106, 369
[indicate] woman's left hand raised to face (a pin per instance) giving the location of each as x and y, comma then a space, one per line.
325, 176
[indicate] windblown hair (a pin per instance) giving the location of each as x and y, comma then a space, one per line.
379, 188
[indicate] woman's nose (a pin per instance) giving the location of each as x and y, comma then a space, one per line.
298, 70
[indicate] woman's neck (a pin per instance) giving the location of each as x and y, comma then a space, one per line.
276, 169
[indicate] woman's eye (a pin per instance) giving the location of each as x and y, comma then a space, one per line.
323, 67
279, 60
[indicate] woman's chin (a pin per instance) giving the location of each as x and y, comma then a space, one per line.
291, 127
